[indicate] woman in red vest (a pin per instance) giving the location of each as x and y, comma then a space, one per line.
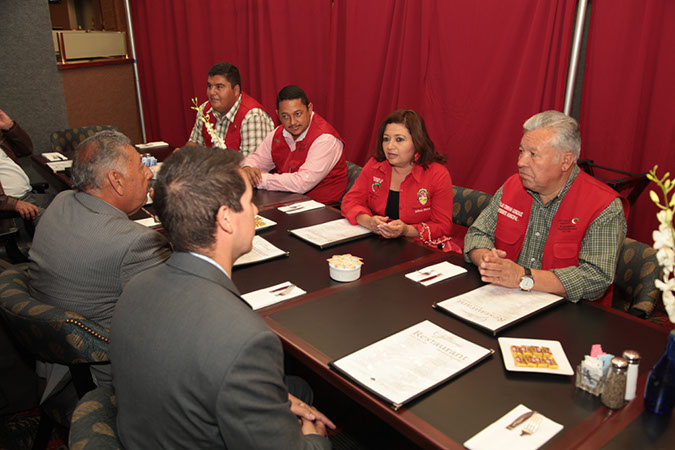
404, 189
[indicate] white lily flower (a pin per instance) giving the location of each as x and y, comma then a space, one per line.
669, 303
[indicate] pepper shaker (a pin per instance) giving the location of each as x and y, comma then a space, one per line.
614, 390
633, 359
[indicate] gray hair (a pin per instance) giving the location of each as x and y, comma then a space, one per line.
566, 130
96, 156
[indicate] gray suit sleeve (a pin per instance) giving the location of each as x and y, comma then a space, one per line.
149, 249
260, 407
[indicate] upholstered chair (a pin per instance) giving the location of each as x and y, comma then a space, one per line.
94, 423
636, 271
353, 171
66, 140
467, 204
52, 335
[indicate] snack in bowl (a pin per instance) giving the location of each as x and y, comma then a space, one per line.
345, 268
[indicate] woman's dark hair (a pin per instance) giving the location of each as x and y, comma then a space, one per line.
425, 152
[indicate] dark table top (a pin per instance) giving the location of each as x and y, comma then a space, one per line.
306, 265
329, 324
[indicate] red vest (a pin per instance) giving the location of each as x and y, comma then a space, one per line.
330, 189
584, 201
233, 132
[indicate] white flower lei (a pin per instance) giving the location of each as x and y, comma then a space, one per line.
664, 238
204, 117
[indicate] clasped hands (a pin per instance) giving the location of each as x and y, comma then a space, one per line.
385, 228
312, 421
495, 268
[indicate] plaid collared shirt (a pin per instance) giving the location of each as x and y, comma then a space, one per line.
254, 127
599, 248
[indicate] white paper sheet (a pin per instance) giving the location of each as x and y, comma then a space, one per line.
148, 222
55, 156
263, 298
497, 437
60, 166
301, 207
411, 361
262, 251
495, 307
151, 145
435, 273
330, 232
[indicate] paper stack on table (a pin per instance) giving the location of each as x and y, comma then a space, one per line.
55, 156
60, 166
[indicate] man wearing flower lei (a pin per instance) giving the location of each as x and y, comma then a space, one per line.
550, 227
230, 118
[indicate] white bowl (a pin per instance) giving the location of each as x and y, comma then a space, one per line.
344, 274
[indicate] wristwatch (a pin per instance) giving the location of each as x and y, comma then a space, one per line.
526, 281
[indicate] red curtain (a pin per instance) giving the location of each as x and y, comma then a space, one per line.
273, 43
627, 120
475, 70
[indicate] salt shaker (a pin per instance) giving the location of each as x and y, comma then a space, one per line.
614, 390
633, 359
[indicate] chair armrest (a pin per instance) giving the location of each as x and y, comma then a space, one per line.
40, 188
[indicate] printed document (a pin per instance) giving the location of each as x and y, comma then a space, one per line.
495, 307
333, 232
411, 362
262, 251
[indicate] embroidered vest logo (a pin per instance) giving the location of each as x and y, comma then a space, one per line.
423, 196
568, 225
510, 212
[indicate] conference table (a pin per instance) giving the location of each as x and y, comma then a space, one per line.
335, 319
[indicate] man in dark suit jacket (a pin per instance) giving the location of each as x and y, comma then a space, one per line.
85, 247
194, 366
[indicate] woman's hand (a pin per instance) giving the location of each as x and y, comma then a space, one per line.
371, 222
394, 229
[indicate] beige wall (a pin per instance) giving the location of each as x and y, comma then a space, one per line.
102, 95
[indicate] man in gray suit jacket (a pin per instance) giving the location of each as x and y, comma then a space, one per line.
194, 366
85, 247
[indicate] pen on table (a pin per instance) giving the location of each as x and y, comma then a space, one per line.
520, 419
429, 278
150, 214
281, 288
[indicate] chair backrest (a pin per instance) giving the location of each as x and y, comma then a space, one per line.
94, 422
628, 184
467, 205
66, 140
636, 271
49, 333
353, 171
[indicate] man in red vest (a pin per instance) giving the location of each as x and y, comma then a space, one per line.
237, 119
551, 227
305, 153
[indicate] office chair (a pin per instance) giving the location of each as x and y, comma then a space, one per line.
94, 423
52, 335
636, 271
628, 184
65, 141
